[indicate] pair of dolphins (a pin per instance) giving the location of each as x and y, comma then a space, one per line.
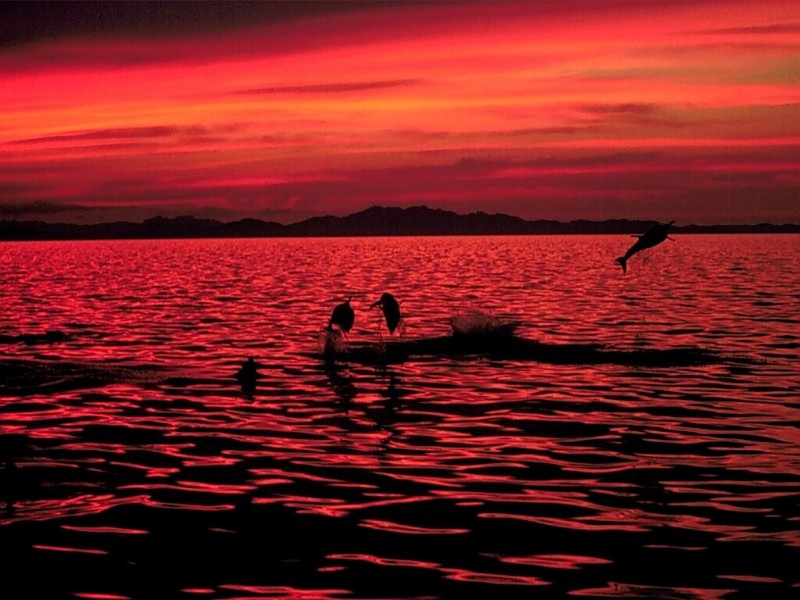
343, 316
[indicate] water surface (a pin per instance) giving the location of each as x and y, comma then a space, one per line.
137, 466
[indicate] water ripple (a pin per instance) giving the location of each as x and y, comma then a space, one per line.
133, 454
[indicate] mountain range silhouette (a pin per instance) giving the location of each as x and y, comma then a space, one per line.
374, 221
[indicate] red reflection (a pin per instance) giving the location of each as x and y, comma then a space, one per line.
67, 549
493, 578
112, 530
751, 578
556, 561
286, 592
567, 523
625, 590
409, 529
386, 562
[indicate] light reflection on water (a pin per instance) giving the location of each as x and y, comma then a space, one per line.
136, 454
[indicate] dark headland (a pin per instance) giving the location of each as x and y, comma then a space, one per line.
374, 221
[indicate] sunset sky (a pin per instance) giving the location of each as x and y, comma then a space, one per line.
668, 110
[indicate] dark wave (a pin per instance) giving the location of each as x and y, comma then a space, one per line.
522, 349
23, 377
30, 339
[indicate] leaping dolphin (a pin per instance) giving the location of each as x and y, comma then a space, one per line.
652, 237
343, 317
391, 310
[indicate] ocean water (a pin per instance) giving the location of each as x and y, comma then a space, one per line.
642, 440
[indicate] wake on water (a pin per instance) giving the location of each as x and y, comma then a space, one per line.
33, 376
478, 334
473, 333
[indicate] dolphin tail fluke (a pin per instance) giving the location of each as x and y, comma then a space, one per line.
623, 263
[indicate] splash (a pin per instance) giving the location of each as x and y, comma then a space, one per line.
331, 340
475, 323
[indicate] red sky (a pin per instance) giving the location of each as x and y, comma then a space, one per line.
684, 110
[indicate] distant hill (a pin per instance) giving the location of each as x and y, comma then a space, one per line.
374, 221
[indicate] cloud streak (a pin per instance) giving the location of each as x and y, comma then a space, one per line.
115, 134
330, 88
35, 209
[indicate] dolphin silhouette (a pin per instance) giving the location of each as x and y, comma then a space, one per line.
248, 375
391, 310
652, 237
343, 317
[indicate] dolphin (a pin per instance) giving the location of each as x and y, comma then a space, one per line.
652, 237
248, 375
391, 310
343, 317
